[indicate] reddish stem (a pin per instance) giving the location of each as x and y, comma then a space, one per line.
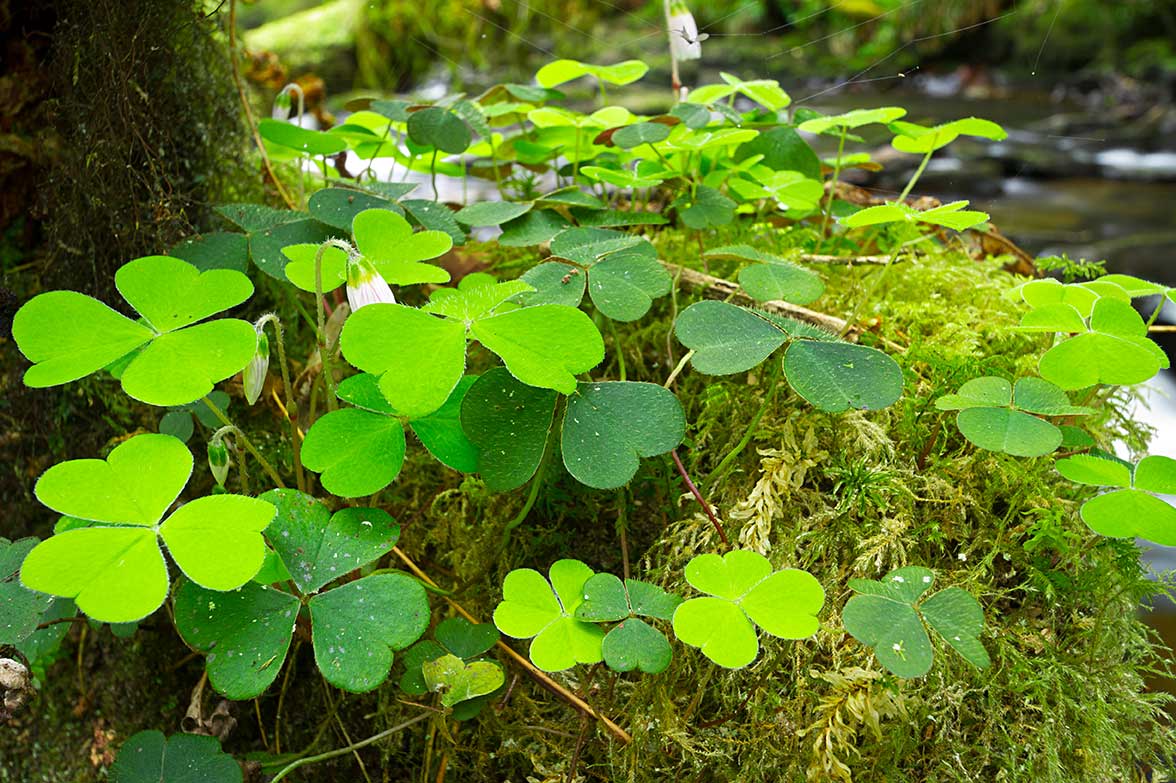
698, 496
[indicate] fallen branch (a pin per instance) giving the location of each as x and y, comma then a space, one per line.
539, 676
717, 288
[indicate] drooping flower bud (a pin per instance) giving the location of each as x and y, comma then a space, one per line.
281, 108
365, 286
685, 42
218, 459
253, 376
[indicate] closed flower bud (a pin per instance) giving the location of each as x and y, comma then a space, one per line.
685, 42
253, 376
365, 286
218, 460
281, 108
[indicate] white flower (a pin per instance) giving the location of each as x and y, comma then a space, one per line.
685, 42
253, 376
365, 286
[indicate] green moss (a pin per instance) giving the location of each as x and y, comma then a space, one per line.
843, 496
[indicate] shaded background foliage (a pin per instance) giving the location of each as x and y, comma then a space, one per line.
120, 129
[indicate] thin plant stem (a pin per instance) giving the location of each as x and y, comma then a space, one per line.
240, 85
433, 174
833, 185
536, 480
324, 348
726, 462
678, 368
265, 464
291, 404
330, 754
698, 496
617, 347
915, 177
675, 80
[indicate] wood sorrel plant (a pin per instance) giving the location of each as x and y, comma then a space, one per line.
506, 379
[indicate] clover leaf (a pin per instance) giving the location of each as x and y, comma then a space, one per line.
554, 283
317, 546
1133, 509
508, 422
244, 634
705, 208
20, 608
439, 128
533, 228
995, 415
765, 92
560, 71
533, 607
491, 213
176, 360
835, 376
610, 426
952, 216
632, 643
420, 357
725, 338
114, 568
852, 119
386, 240
772, 277
1114, 349
886, 616
622, 271
357, 452
149, 757
355, 629
304, 140
462, 640
459, 681
744, 590
337, 207
921, 139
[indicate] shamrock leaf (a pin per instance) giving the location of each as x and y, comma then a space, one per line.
950, 215
533, 228
20, 608
361, 451
244, 634
149, 757
771, 277
1115, 350
560, 71
632, 643
765, 92
622, 270
554, 283
885, 616
337, 207
459, 681
726, 338
852, 119
420, 358
460, 639
994, 416
465, 639
386, 240
706, 208
357, 627
1132, 510
533, 607
492, 213
114, 568
920, 139
438, 128
68, 335
744, 590
318, 547
508, 422
610, 426
440, 432
356, 451
836, 376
